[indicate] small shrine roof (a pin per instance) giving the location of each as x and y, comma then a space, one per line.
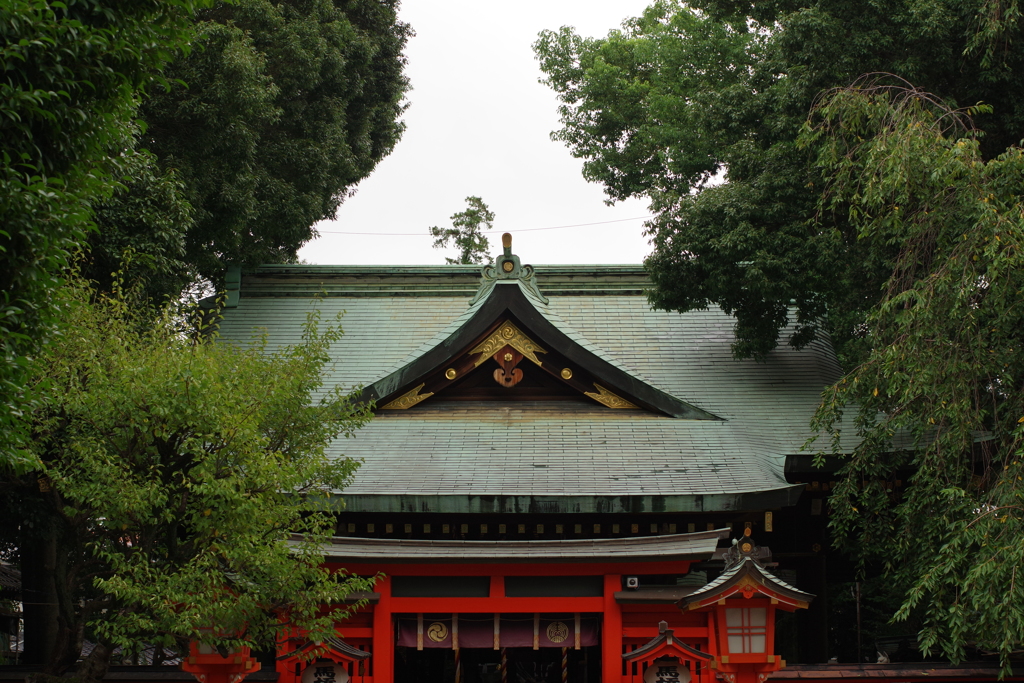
665, 643
547, 456
332, 645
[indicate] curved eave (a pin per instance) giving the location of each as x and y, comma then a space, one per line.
506, 299
748, 574
332, 648
666, 645
672, 547
537, 504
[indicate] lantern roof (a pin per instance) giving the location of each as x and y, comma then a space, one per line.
745, 576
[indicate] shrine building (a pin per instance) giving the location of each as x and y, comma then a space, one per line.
559, 483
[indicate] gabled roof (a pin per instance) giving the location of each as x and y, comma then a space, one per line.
746, 577
665, 644
333, 647
446, 455
509, 310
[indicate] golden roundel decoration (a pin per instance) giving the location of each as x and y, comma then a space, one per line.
437, 632
507, 266
747, 547
508, 332
566, 373
557, 632
450, 373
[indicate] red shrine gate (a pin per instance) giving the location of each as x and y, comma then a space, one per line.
549, 611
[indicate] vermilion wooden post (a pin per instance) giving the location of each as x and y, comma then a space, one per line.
611, 632
383, 639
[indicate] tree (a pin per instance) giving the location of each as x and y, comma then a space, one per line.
699, 106
141, 230
274, 117
175, 470
71, 75
288, 105
945, 374
467, 232
891, 222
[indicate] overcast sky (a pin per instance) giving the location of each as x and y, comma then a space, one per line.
478, 124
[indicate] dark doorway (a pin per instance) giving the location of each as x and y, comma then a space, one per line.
525, 665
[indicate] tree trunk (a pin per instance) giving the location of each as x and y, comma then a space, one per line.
92, 669
38, 568
53, 625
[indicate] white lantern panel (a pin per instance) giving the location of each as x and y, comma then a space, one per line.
325, 671
746, 629
667, 671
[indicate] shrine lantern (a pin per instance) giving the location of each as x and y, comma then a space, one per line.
741, 606
210, 666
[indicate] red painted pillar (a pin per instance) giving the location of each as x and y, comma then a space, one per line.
383, 635
611, 632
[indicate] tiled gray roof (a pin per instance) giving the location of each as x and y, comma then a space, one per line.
518, 456
694, 546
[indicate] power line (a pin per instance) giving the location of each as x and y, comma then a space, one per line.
426, 234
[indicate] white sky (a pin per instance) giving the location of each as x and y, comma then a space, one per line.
478, 124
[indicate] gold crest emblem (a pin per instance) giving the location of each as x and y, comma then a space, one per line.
437, 632
557, 632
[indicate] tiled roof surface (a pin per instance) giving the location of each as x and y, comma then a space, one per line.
691, 546
440, 449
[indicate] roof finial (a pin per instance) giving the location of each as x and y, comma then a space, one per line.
507, 267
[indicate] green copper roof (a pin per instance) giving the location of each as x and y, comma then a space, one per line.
490, 456
674, 547
497, 301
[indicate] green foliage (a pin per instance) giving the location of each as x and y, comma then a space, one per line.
177, 470
467, 232
868, 604
288, 105
272, 120
698, 107
943, 384
896, 213
71, 72
141, 235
